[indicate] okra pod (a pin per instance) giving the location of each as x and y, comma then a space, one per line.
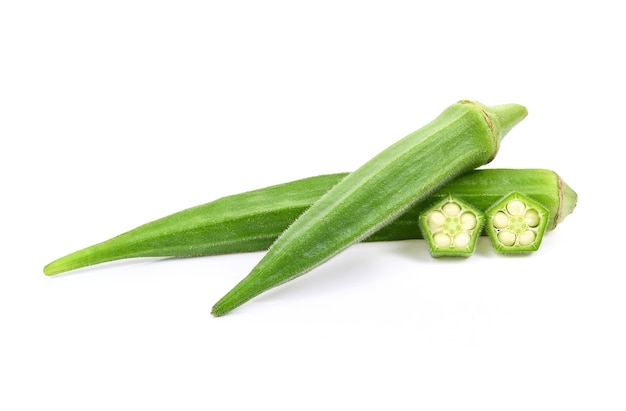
252, 221
465, 136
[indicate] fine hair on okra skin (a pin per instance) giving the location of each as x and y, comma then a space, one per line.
251, 221
463, 137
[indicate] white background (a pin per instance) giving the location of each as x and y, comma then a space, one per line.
115, 113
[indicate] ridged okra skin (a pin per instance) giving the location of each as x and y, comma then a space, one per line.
238, 223
482, 188
465, 136
252, 221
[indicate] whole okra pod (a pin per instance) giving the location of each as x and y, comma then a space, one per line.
252, 221
465, 136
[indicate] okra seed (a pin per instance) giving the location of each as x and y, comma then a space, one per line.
527, 237
436, 219
516, 207
506, 237
442, 239
500, 220
451, 209
462, 240
532, 218
468, 221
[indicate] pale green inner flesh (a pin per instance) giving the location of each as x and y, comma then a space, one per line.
516, 224
452, 225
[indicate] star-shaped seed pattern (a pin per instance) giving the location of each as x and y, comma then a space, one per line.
451, 227
516, 224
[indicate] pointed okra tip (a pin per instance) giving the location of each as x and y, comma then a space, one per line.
54, 268
238, 295
218, 311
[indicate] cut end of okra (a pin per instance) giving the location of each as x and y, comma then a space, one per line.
516, 224
451, 228
569, 198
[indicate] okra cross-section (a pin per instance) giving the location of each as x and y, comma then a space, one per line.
451, 227
516, 224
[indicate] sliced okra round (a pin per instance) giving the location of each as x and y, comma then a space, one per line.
516, 224
451, 227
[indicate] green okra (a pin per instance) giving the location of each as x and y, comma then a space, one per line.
465, 136
451, 227
516, 224
252, 221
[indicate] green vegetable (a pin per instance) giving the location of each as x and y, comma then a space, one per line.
516, 224
465, 136
451, 227
253, 220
